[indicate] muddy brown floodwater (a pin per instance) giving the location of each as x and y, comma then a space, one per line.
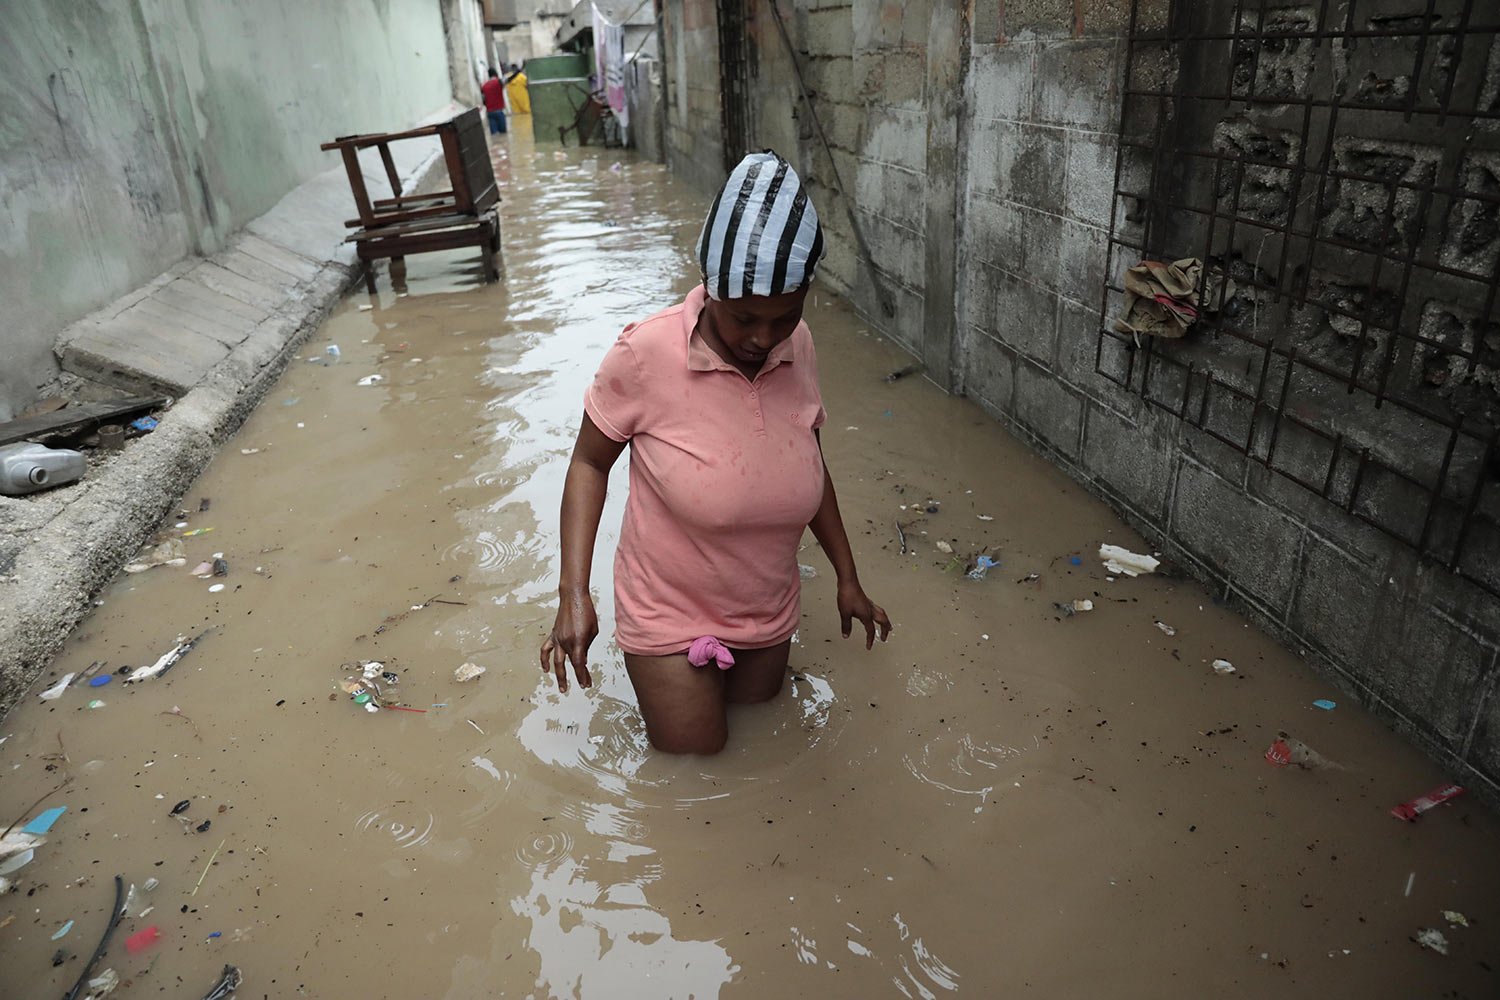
1002, 801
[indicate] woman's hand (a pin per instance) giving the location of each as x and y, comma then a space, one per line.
854, 603
576, 628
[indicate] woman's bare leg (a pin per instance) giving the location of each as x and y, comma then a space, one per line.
757, 674
683, 705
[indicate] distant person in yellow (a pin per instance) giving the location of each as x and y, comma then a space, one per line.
515, 92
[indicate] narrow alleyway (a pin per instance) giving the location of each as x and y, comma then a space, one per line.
1004, 800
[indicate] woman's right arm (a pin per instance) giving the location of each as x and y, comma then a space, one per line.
577, 623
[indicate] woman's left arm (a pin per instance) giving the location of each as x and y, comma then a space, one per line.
828, 527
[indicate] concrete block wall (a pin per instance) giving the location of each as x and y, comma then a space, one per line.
694, 143
1022, 250
140, 133
1415, 642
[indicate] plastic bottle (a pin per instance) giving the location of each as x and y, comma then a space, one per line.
27, 468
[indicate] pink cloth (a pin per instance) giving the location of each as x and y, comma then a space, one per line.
725, 474
705, 648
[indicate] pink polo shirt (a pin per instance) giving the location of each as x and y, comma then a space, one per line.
725, 474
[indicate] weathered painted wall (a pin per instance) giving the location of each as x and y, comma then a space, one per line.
980, 144
135, 133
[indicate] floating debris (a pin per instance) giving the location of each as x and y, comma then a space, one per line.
1119, 560
167, 660
1288, 751
467, 672
982, 566
44, 821
168, 553
1409, 811
1223, 667
229, 981
56, 691
1455, 919
1325, 704
1166, 629
1432, 939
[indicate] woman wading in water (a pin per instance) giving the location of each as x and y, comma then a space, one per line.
718, 399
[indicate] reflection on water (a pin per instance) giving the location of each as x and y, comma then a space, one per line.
606, 941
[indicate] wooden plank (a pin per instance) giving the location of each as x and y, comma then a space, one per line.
75, 418
357, 185
368, 139
390, 169
408, 199
463, 197
420, 225
400, 246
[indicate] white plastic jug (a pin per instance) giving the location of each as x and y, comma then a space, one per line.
27, 468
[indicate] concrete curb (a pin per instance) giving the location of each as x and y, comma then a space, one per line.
65, 562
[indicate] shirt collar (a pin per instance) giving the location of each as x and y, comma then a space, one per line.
701, 357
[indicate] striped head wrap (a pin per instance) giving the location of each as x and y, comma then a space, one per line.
762, 235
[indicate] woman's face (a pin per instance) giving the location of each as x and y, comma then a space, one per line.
752, 326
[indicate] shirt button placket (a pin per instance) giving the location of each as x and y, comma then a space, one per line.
760, 422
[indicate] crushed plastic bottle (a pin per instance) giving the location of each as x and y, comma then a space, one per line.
27, 468
134, 902
982, 566
1289, 751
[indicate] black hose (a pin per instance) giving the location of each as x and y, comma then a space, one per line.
114, 920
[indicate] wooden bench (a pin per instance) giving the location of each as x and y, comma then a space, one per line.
465, 215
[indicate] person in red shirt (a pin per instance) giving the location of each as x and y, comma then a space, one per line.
494, 102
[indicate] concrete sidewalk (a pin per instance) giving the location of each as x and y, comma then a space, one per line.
214, 333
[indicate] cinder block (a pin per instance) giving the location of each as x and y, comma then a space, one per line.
896, 249
1034, 168
991, 145
1022, 18
1025, 316
1247, 541
1133, 458
897, 136
1001, 78
1483, 740
1077, 344
994, 234
1080, 262
896, 77
828, 32
1076, 83
897, 194
988, 371
1046, 406
1438, 674
1091, 176
889, 24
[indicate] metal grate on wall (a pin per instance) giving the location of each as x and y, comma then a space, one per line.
1335, 167
733, 82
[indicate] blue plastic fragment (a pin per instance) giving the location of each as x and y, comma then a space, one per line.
1075, 560
1325, 704
144, 424
44, 821
100, 681
216, 934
